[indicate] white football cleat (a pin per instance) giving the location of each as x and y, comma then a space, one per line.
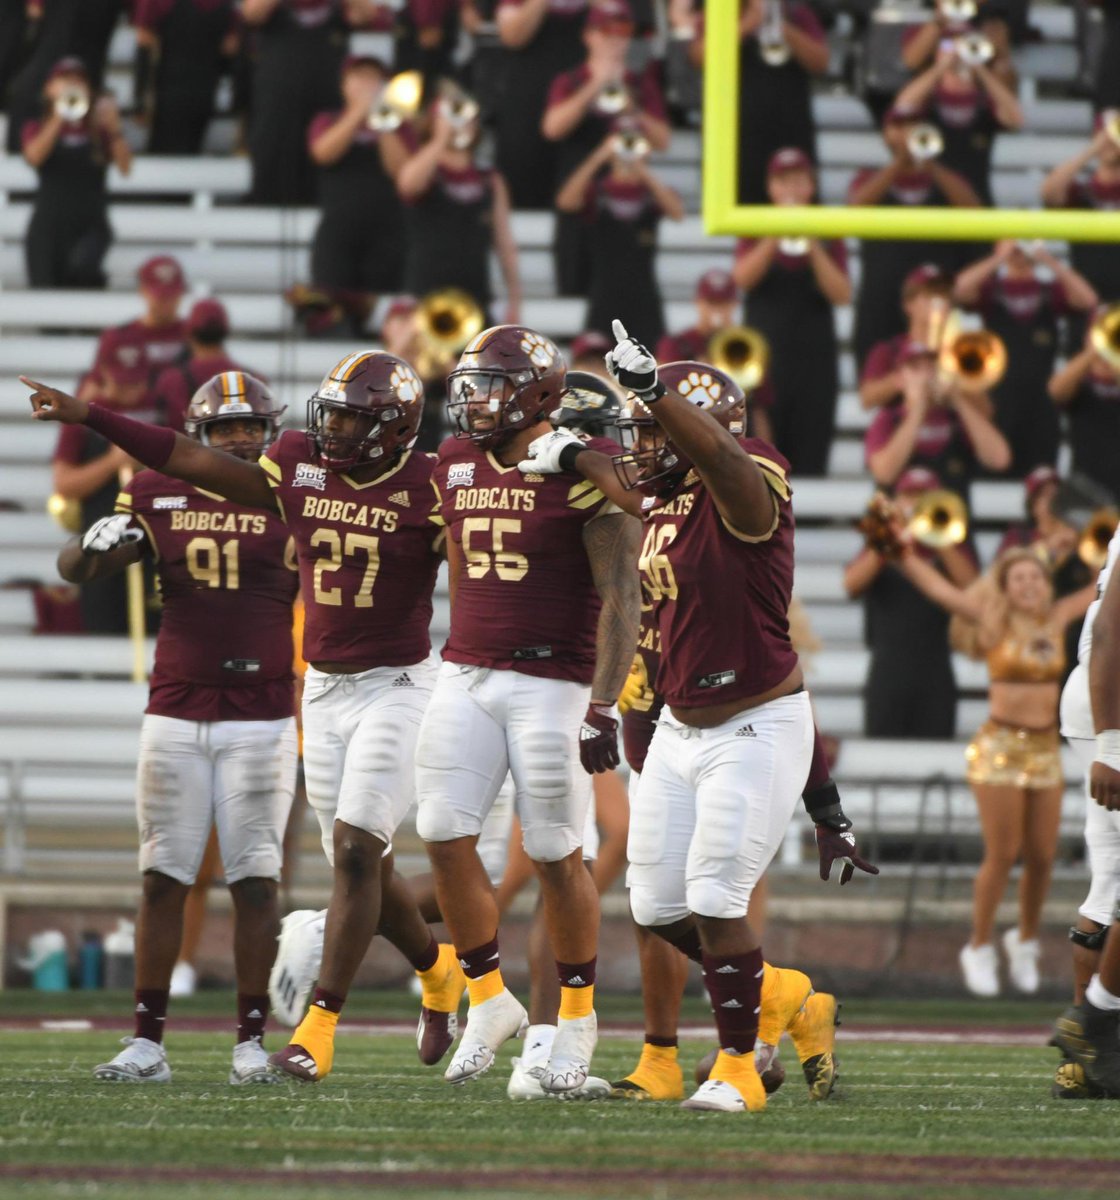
489, 1025
298, 955
184, 980
570, 1061
525, 1084
716, 1095
250, 1064
141, 1061
1022, 962
980, 967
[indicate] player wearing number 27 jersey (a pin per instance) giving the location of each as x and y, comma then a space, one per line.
357, 500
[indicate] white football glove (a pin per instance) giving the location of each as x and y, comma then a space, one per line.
633, 366
109, 533
543, 454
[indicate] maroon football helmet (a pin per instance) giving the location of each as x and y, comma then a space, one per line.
234, 395
652, 463
386, 396
508, 377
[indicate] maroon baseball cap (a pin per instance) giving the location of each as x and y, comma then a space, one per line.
591, 342
1039, 478
208, 314
353, 61
70, 65
162, 275
790, 158
610, 16
928, 275
717, 287
916, 479
123, 353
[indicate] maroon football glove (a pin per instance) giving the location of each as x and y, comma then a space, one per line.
833, 844
598, 739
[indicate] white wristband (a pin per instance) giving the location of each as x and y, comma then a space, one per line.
1108, 748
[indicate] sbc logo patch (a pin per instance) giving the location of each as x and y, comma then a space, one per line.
310, 476
460, 475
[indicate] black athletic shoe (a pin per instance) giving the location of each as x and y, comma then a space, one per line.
1091, 1037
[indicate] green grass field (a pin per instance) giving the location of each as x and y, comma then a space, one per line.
921, 1118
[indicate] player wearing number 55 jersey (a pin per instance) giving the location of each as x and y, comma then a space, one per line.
544, 613
357, 501
218, 740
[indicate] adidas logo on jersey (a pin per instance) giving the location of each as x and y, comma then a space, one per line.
400, 498
745, 731
403, 680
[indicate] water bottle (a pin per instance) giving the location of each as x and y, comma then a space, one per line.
120, 956
91, 960
46, 960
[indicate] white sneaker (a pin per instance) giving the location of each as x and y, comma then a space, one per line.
525, 1084
184, 979
141, 1061
489, 1025
980, 965
570, 1061
250, 1064
298, 955
1022, 962
715, 1095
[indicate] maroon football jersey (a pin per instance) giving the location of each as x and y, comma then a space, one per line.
696, 570
525, 599
224, 651
368, 555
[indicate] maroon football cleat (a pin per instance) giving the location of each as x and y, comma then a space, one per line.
435, 1035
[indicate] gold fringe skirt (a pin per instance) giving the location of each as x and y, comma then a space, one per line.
1007, 756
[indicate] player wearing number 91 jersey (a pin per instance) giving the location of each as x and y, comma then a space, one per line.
357, 501
218, 740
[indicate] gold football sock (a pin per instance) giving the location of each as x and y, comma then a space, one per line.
656, 1077
739, 1071
490, 985
576, 1002
315, 1033
442, 984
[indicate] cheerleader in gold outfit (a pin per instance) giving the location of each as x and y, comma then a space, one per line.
1010, 619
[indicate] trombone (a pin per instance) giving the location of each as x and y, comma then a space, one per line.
924, 142
446, 320
1104, 335
73, 104
772, 44
741, 353
975, 359
461, 110
974, 49
614, 98
939, 519
1096, 533
630, 145
398, 102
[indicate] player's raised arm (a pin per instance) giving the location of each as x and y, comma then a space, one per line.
735, 482
106, 548
157, 447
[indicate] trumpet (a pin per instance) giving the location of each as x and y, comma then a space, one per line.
958, 12
398, 102
879, 526
446, 320
613, 98
630, 145
924, 142
1104, 335
974, 49
939, 519
461, 111
975, 359
742, 353
772, 44
1096, 533
794, 247
73, 104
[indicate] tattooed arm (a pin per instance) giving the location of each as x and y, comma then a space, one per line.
612, 544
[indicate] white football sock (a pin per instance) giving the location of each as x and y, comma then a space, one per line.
1100, 997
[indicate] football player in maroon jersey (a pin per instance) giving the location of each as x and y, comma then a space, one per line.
544, 614
218, 740
732, 750
358, 504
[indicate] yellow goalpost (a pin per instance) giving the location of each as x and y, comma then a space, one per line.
723, 214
